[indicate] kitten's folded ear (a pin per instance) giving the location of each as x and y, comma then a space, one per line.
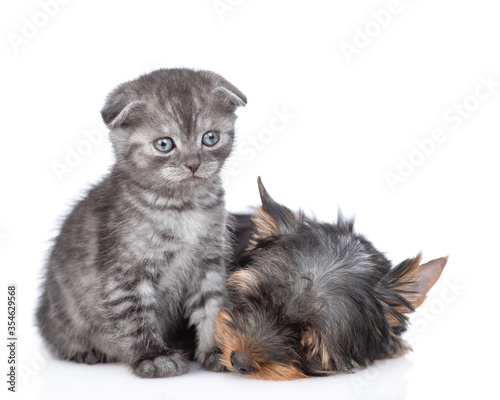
121, 109
226, 89
272, 218
233, 94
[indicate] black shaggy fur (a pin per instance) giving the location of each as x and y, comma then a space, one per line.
310, 298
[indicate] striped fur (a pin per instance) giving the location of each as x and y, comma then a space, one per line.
142, 256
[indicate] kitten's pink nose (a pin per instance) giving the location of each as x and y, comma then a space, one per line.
193, 167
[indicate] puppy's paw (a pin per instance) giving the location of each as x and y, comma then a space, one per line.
170, 364
211, 361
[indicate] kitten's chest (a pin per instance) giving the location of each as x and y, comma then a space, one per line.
184, 219
189, 226
161, 234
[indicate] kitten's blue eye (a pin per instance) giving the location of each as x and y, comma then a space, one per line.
164, 144
210, 138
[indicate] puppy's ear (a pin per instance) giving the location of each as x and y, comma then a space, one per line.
406, 287
120, 109
226, 89
272, 218
315, 348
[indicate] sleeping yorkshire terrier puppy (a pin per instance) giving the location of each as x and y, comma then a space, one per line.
313, 299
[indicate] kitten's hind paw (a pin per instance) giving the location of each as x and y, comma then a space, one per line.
170, 364
211, 362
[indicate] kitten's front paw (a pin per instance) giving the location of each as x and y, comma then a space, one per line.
211, 361
170, 364
90, 357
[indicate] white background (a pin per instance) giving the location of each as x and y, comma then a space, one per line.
356, 120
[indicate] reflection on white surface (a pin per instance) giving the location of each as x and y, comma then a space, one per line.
384, 380
436, 369
47, 379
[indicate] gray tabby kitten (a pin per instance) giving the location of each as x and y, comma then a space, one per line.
142, 256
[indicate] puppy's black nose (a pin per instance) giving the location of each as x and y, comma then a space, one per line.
193, 167
241, 363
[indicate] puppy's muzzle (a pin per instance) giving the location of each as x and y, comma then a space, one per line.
241, 363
